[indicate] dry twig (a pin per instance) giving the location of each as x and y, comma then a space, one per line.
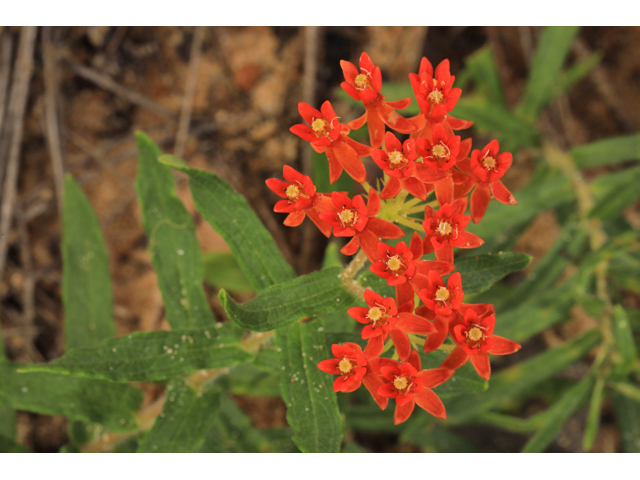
189, 92
17, 106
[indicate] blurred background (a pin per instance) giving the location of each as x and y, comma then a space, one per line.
224, 99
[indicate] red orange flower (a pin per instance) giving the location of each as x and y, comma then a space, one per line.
355, 369
328, 135
409, 384
475, 340
485, 169
352, 218
441, 299
365, 85
383, 319
445, 229
301, 199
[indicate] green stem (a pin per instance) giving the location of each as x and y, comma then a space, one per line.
409, 223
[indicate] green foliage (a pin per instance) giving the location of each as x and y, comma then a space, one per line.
186, 417
625, 346
86, 282
284, 303
607, 152
153, 356
312, 409
558, 414
173, 245
99, 401
221, 269
480, 272
230, 215
628, 416
546, 66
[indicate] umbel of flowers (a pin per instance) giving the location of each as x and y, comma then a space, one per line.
425, 305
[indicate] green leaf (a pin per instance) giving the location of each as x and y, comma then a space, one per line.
607, 152
513, 131
86, 281
110, 404
573, 75
248, 379
173, 245
7, 445
532, 317
464, 381
439, 440
546, 66
233, 432
520, 379
628, 420
625, 346
312, 408
545, 191
222, 270
153, 356
7, 418
480, 272
614, 192
482, 67
279, 305
186, 417
558, 414
230, 215
593, 417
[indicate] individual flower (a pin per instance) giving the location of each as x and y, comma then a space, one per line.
328, 135
364, 85
485, 169
475, 340
355, 369
300, 199
401, 267
436, 97
409, 384
352, 218
440, 155
440, 298
383, 319
445, 229
398, 162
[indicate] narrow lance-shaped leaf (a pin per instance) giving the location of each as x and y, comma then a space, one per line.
628, 416
625, 346
519, 379
607, 152
553, 47
173, 245
230, 215
185, 419
312, 408
86, 281
614, 192
481, 271
110, 404
153, 356
221, 270
284, 303
593, 417
233, 432
558, 414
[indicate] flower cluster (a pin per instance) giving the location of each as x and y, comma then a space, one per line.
426, 303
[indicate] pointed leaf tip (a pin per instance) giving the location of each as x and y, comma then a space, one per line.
172, 161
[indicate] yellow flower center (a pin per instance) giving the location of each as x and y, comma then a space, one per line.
375, 314
475, 334
345, 365
292, 192
489, 163
362, 81
348, 217
440, 151
442, 294
397, 160
394, 263
436, 97
444, 228
400, 383
320, 127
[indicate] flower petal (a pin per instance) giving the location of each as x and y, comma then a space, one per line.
428, 400
456, 359
480, 362
503, 346
403, 412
